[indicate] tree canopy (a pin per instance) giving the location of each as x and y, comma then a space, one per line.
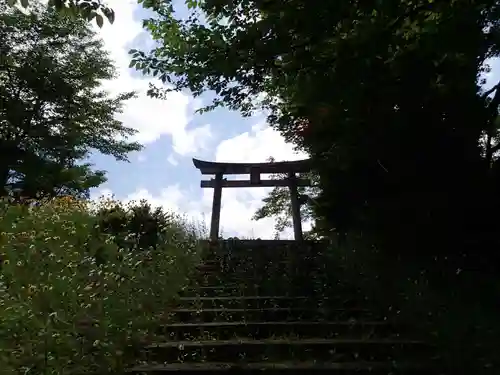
386, 97
84, 9
53, 113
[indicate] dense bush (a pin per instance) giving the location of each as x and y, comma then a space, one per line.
72, 299
455, 310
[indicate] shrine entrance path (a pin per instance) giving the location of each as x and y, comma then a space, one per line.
274, 306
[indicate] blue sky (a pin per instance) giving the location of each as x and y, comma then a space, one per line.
173, 134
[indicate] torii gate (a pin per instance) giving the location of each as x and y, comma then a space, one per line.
254, 170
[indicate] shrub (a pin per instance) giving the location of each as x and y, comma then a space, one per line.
71, 299
137, 226
455, 310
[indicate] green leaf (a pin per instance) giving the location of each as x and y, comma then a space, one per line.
165, 78
93, 14
85, 12
73, 12
24, 3
111, 16
11, 2
99, 20
132, 63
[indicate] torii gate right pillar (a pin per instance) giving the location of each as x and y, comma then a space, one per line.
294, 198
216, 205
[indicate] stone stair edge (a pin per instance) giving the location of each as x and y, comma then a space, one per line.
295, 365
299, 341
271, 323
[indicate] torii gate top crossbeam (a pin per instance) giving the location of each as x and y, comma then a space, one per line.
208, 167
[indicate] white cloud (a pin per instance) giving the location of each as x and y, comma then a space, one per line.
171, 159
170, 198
105, 193
152, 118
492, 76
257, 145
193, 140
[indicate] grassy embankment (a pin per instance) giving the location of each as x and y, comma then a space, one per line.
81, 282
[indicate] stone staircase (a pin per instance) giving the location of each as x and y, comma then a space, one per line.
272, 306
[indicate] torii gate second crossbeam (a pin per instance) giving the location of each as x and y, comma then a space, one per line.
291, 168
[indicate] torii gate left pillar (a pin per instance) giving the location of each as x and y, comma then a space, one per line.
255, 170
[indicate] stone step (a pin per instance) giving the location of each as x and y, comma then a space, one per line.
232, 265
256, 259
258, 277
187, 315
216, 292
271, 259
221, 280
335, 350
270, 287
263, 330
274, 260
208, 267
274, 285
221, 291
213, 261
264, 280
309, 367
254, 273
259, 264
242, 289
271, 262
229, 265
257, 302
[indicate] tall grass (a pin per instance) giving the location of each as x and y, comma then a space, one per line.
75, 292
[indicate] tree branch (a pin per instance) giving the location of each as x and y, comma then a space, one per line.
487, 93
